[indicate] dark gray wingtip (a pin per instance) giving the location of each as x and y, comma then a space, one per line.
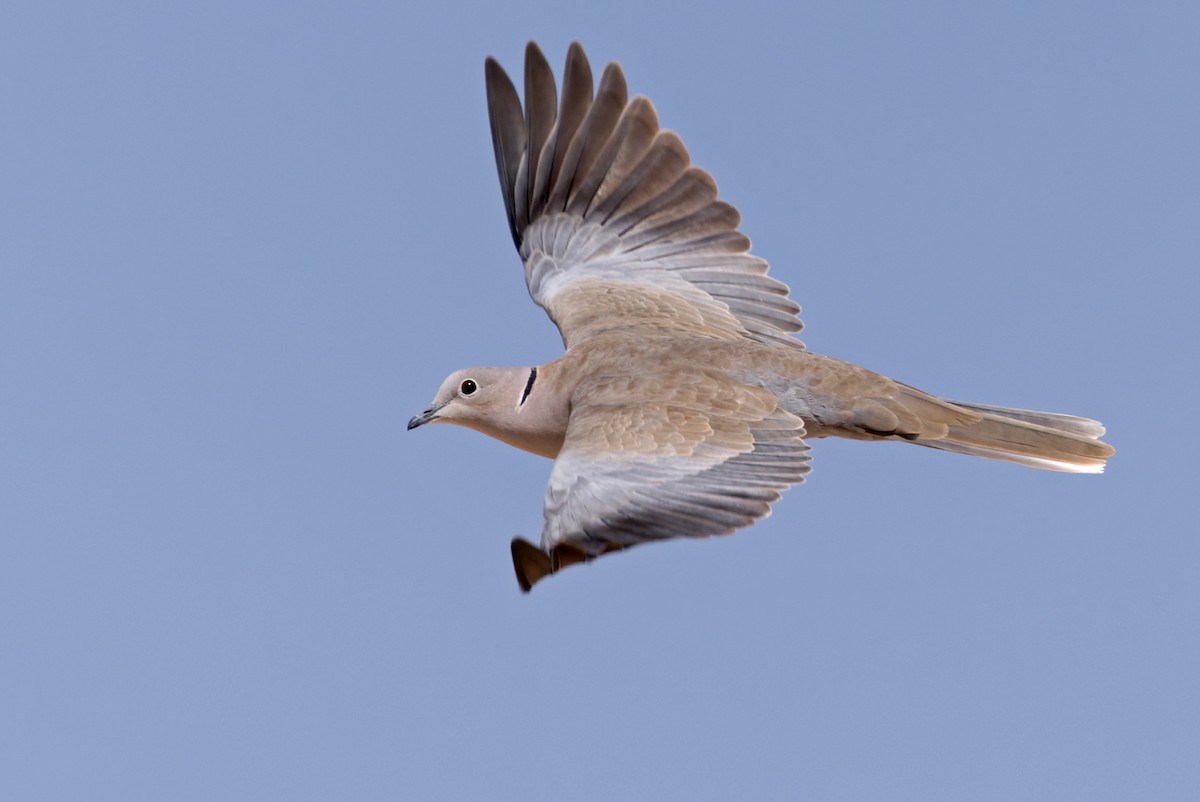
530, 563
507, 122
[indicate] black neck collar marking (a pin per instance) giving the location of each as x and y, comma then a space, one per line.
528, 386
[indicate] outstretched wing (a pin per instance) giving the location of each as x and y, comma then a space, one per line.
615, 227
699, 457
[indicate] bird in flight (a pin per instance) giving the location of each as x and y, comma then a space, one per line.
683, 404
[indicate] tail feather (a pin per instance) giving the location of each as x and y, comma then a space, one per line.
1053, 420
1046, 440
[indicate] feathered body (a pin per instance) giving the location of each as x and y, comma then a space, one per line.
683, 403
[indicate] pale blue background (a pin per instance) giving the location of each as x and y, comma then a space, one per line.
241, 244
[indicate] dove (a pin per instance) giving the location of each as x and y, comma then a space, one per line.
683, 403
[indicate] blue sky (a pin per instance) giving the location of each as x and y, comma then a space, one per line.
241, 245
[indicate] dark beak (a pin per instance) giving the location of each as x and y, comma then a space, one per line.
425, 417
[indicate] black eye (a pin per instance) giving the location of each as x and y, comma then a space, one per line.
468, 386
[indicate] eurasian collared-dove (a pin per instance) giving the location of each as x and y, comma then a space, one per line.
682, 404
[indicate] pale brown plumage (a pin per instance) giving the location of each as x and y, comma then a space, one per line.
682, 404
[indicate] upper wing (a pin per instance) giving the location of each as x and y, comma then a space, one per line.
615, 228
699, 457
